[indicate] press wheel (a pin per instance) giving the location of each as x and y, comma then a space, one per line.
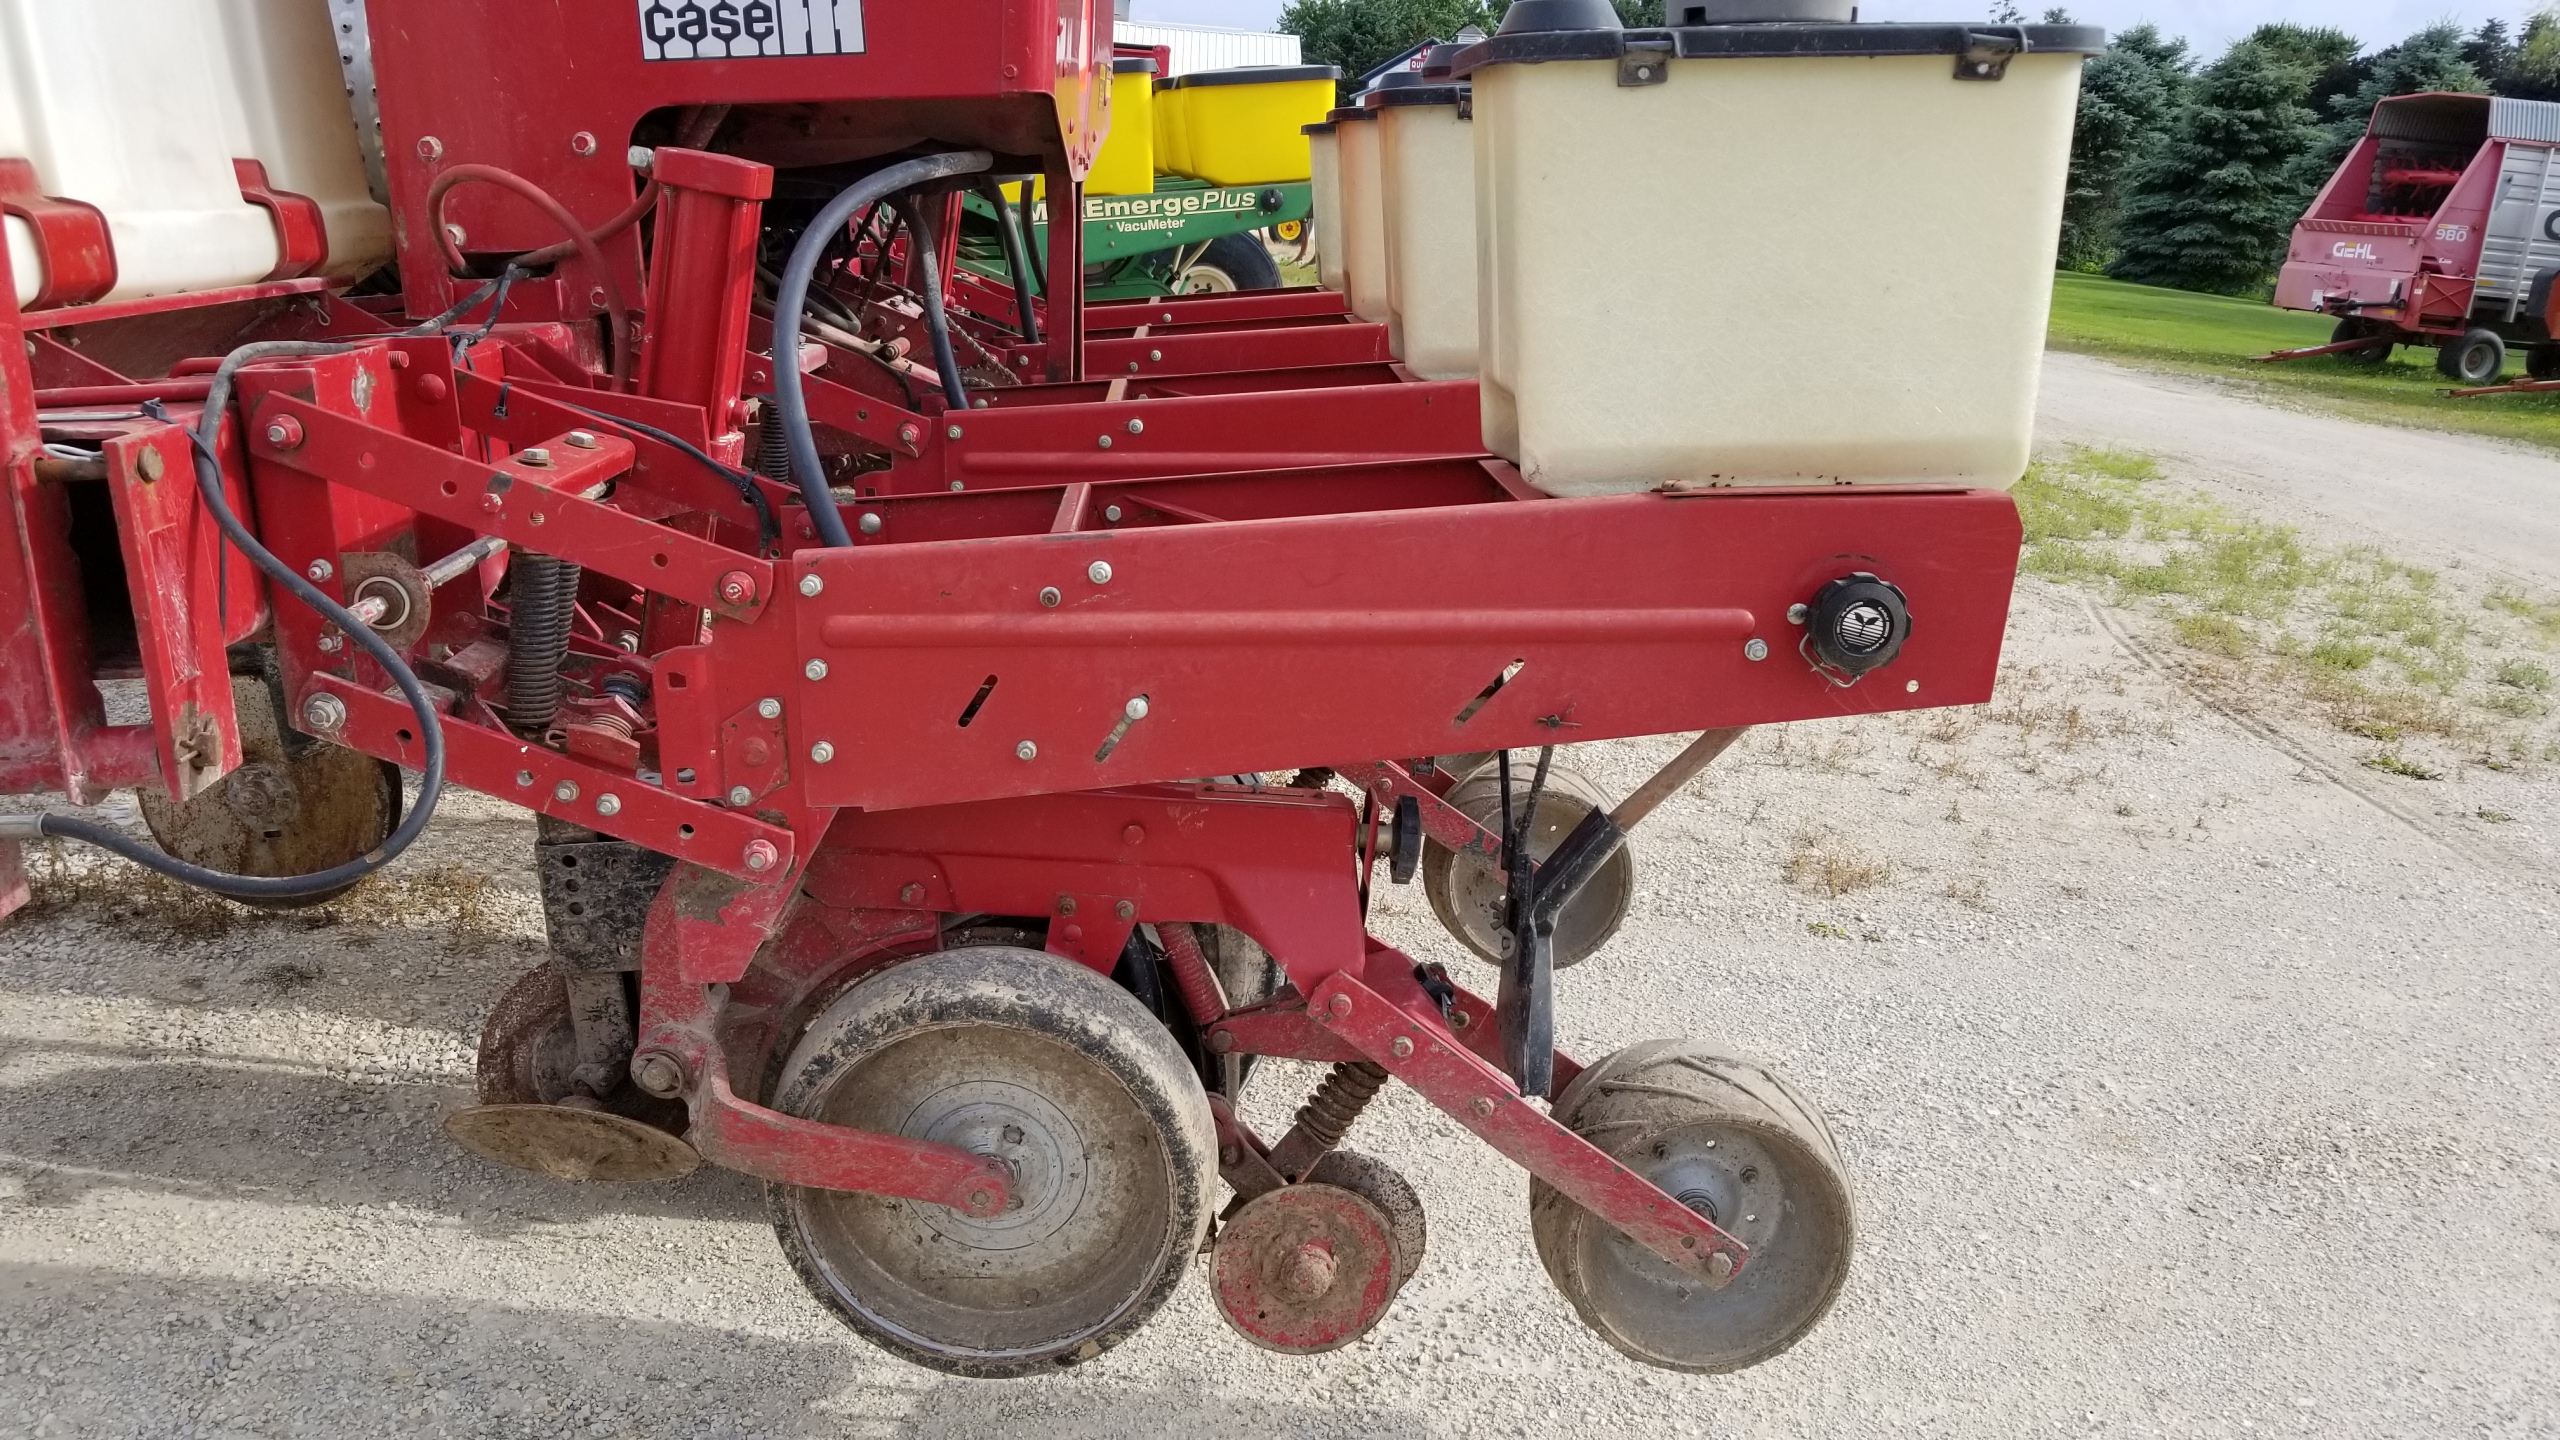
280, 813
1379, 1183
1090, 1102
1724, 1136
1466, 892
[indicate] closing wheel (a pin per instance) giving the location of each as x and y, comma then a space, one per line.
1305, 1268
2356, 327
2476, 358
1467, 891
281, 813
1086, 1097
1377, 1182
1729, 1139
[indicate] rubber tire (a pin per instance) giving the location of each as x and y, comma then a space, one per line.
2478, 358
2542, 362
1029, 994
1634, 1100
1241, 260
1590, 918
2356, 327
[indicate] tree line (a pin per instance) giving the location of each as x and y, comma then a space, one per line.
2182, 173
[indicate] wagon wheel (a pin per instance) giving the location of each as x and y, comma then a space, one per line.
280, 813
2356, 327
1087, 1098
2542, 362
1466, 892
2476, 357
1730, 1140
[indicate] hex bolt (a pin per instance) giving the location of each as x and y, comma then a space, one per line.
608, 804
1339, 1004
566, 790
1049, 596
1133, 367
324, 712
959, 485
1099, 572
1104, 441
953, 433
1111, 513
580, 439
582, 143
320, 571
657, 1073
430, 148
535, 457
1066, 904
908, 435
769, 708
284, 433
822, 752
1136, 709
869, 524
524, 779
761, 856
1481, 1107
740, 795
1796, 613
332, 642
1911, 687
1755, 649
815, 669
1126, 910
911, 894
810, 585
640, 157
1402, 1049
1720, 1265
1221, 1042
150, 466
1026, 751
1137, 427
738, 587
1156, 355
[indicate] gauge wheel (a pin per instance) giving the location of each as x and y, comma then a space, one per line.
1231, 262
2356, 327
1724, 1136
280, 813
1087, 1098
1466, 892
2475, 358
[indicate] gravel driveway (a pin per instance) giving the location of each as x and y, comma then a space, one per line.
2186, 1091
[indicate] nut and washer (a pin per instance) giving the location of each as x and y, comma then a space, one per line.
535, 457
657, 1073
1402, 1049
284, 432
1026, 751
736, 587
331, 642
761, 856
1126, 910
869, 524
564, 791
1755, 649
822, 752
810, 585
1111, 513
1796, 613
320, 571
1156, 355
1104, 441
740, 795
952, 433
769, 708
1136, 709
1049, 596
1099, 572
324, 712
608, 804
815, 669
1137, 427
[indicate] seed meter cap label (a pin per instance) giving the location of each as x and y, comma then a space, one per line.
748, 29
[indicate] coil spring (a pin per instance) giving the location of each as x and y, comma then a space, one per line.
773, 446
543, 603
1346, 1091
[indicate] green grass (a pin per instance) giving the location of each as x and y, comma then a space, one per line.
2381, 647
2218, 335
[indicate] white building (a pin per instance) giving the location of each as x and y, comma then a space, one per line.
1206, 47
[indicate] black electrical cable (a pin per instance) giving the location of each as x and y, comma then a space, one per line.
791, 302
768, 529
1014, 260
937, 316
1039, 277
430, 728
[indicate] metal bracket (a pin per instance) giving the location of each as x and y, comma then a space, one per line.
1644, 62
1985, 57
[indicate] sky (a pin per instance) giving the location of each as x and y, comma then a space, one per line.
2207, 24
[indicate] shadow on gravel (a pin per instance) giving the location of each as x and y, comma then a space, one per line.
150, 1355
278, 1136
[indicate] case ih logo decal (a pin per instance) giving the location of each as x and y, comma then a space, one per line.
748, 29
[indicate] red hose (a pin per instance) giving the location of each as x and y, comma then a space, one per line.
582, 240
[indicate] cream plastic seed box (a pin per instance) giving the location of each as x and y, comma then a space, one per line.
1324, 184
1364, 226
1427, 190
1766, 254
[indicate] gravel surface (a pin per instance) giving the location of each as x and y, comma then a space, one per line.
2185, 1089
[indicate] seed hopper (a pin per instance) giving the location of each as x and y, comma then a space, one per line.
967, 724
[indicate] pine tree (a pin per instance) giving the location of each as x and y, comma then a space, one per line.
2210, 208
2431, 60
2128, 96
2534, 74
2490, 52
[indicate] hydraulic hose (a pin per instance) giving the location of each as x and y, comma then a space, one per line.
1014, 257
581, 239
937, 319
791, 302
430, 728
